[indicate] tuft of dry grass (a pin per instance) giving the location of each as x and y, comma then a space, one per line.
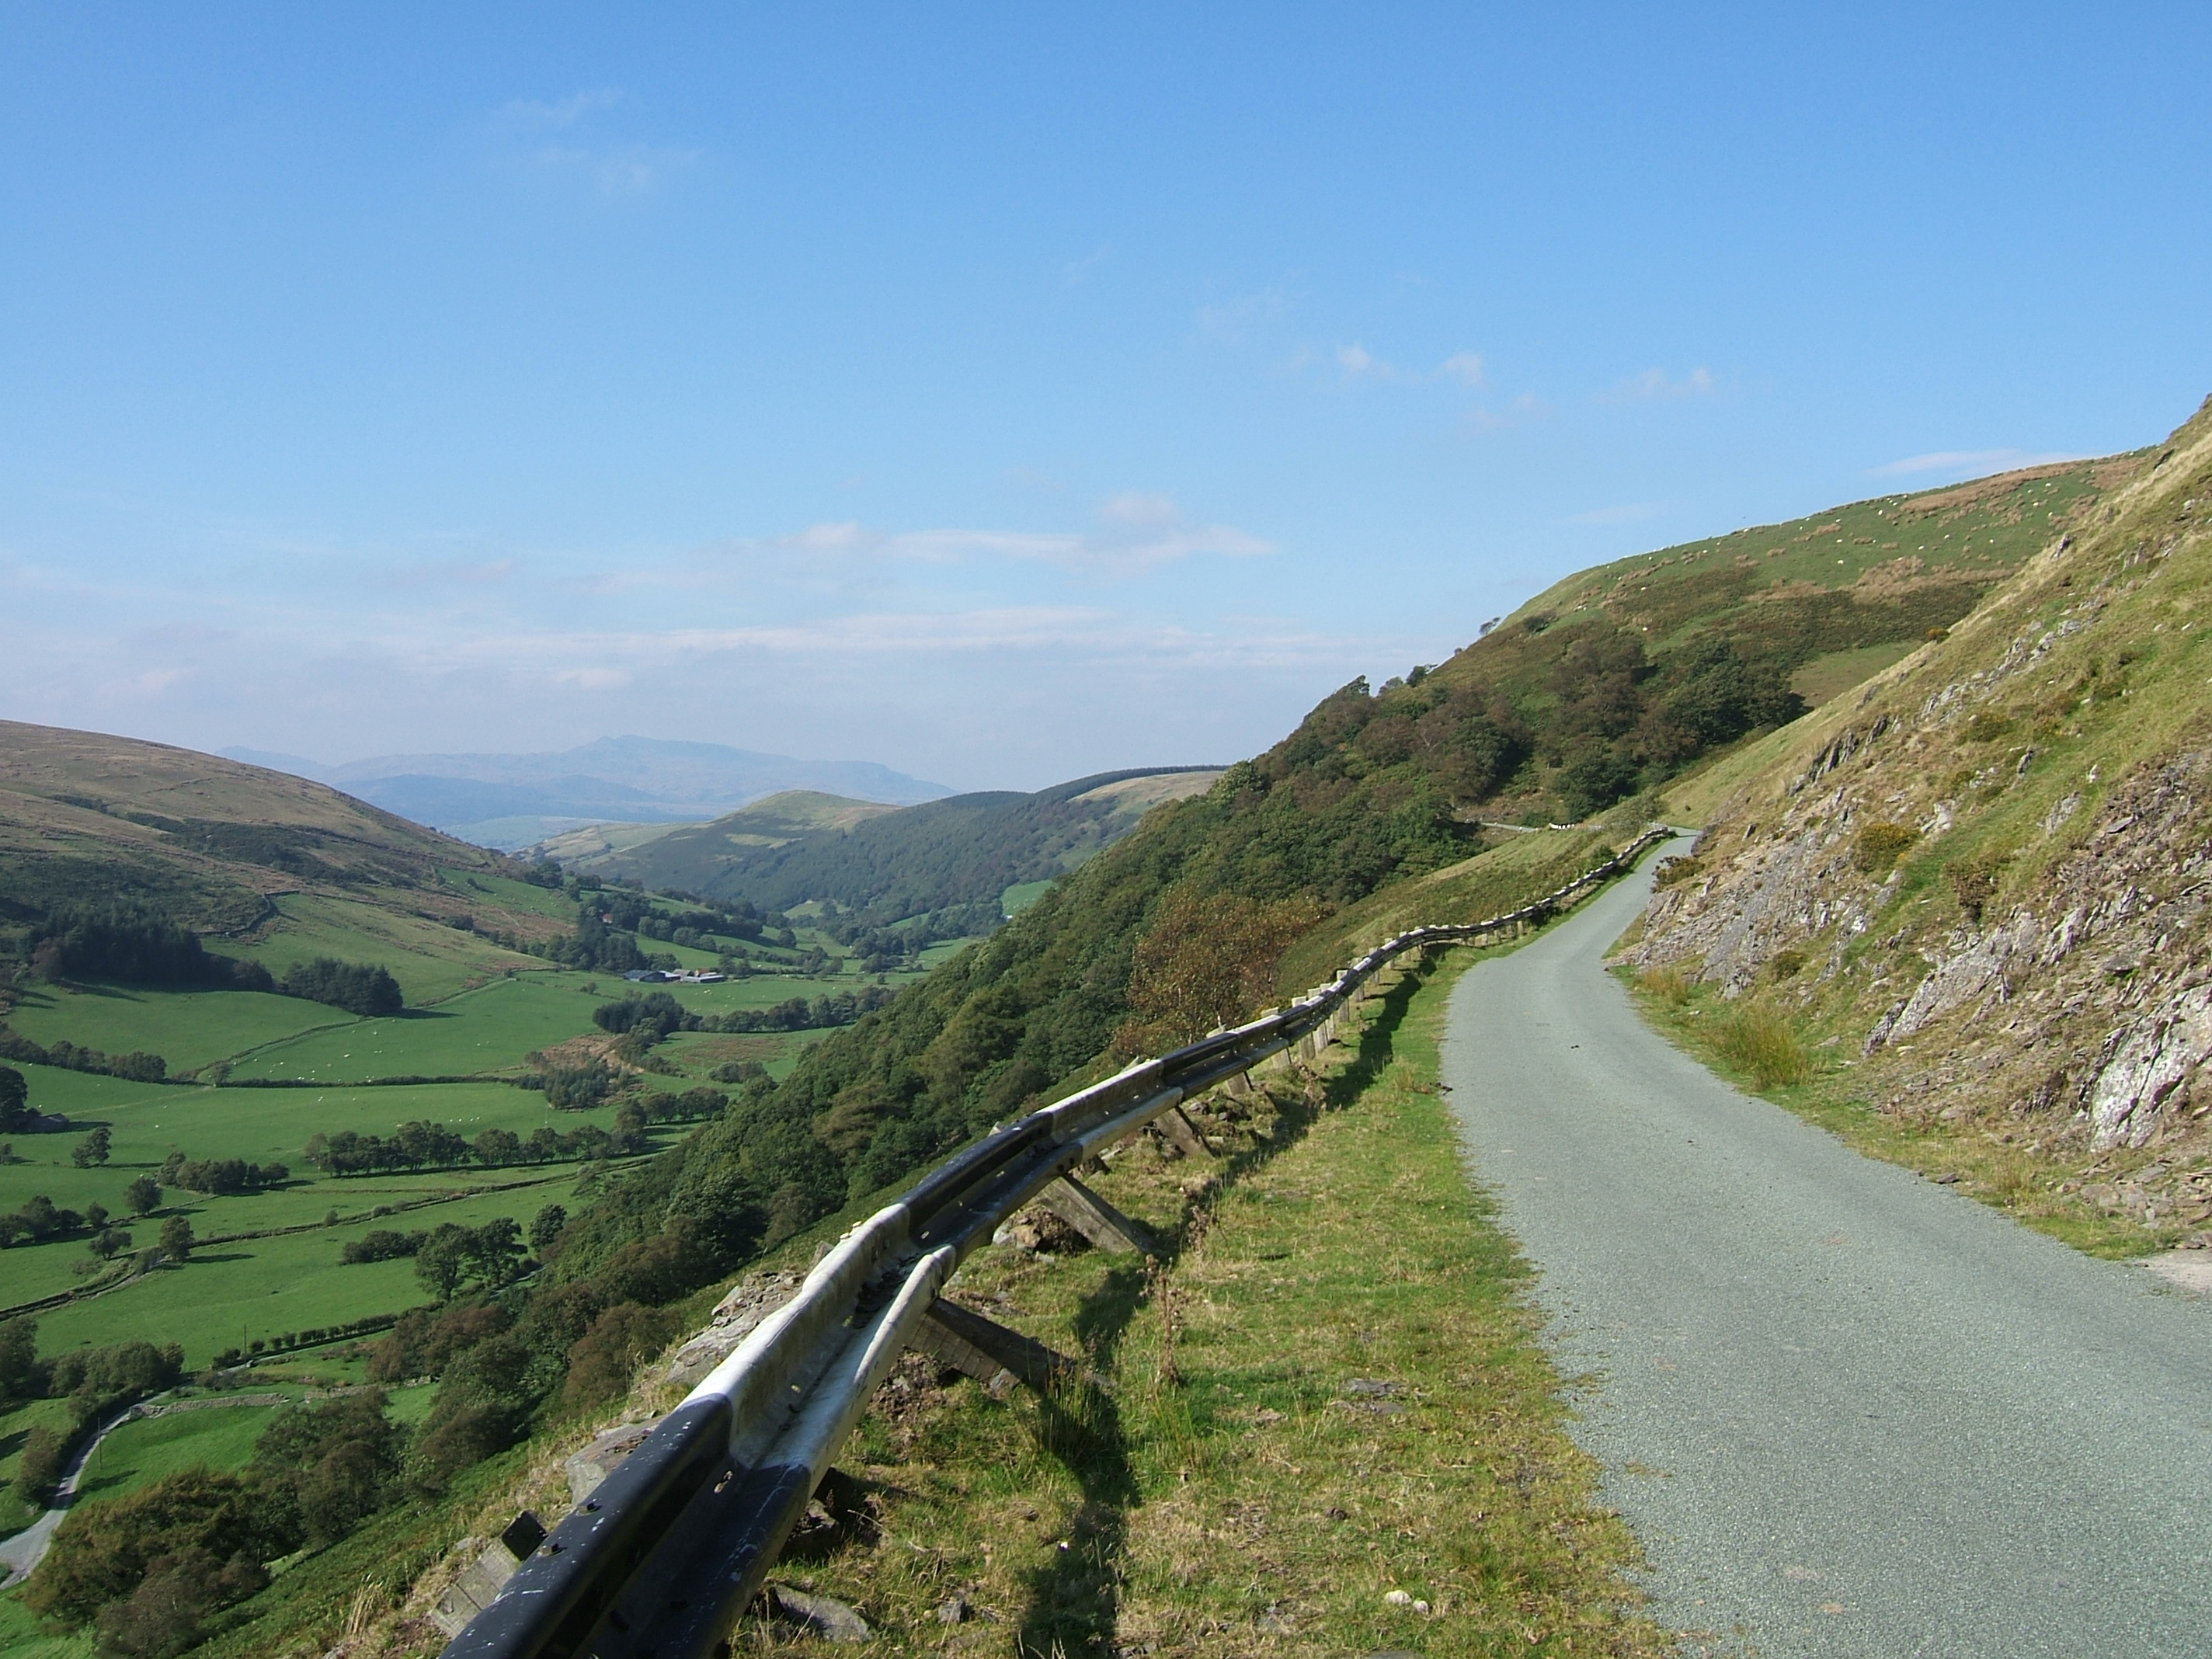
1754, 1038
1667, 983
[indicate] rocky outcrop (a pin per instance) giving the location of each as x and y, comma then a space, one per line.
1987, 880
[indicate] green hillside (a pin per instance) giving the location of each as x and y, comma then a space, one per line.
864, 867
1973, 894
261, 864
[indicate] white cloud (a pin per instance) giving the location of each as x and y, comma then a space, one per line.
1465, 366
551, 141
1524, 409
1654, 386
531, 114
1077, 272
1134, 532
1358, 363
1235, 321
1973, 461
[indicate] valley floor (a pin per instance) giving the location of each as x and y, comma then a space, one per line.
1847, 1411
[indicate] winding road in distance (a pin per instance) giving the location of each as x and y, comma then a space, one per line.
1847, 1411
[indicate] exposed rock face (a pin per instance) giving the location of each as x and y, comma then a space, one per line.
1992, 871
752, 1299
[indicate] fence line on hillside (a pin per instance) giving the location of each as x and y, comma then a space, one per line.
661, 1559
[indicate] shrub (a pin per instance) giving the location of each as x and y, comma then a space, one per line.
1880, 846
177, 1238
357, 988
1787, 963
104, 1552
1670, 871
1757, 1040
39, 1468
1974, 883
577, 1088
379, 1244
603, 1359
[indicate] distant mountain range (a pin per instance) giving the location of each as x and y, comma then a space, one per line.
511, 801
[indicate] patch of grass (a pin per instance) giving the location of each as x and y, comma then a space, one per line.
1221, 1485
430, 960
188, 1029
1754, 1039
1982, 1162
142, 1452
16, 1426
1668, 982
1490, 882
24, 1635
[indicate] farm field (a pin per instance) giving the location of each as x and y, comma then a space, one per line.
489, 1029
230, 1295
188, 1029
16, 1426
430, 960
142, 1451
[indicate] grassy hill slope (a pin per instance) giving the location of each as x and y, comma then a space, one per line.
1979, 885
1618, 678
882, 866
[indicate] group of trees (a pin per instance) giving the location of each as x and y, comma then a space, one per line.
421, 1145
498, 1364
40, 1220
137, 1066
358, 987
222, 1177
149, 1570
142, 946
94, 1381
137, 946
657, 1014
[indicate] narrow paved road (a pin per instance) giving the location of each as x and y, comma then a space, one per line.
1848, 1412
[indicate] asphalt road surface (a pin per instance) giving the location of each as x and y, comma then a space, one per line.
1847, 1411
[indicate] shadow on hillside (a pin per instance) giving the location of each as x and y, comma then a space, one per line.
1074, 1605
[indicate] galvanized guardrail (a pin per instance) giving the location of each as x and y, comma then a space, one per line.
662, 1558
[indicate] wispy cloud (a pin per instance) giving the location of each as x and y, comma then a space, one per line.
1968, 460
1465, 366
1360, 364
1133, 531
552, 140
531, 115
1522, 411
1077, 272
1234, 321
1656, 385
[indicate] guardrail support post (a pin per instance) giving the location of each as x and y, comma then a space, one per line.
985, 1350
1096, 1219
1182, 1134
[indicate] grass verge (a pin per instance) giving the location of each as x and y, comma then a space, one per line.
1328, 1389
1766, 1054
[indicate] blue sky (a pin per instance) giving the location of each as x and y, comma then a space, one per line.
1004, 393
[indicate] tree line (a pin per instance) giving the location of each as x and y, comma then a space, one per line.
141, 946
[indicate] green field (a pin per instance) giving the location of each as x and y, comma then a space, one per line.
142, 1452
188, 1029
488, 1029
230, 1295
430, 960
16, 1426
1021, 894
